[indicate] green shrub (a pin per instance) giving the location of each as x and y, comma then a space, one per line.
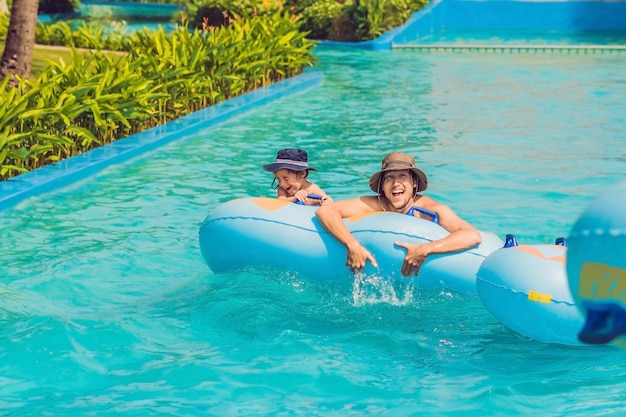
340, 20
97, 98
319, 17
216, 13
4, 26
92, 35
373, 17
299, 5
343, 29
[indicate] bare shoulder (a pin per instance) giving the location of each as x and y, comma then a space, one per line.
448, 218
428, 203
441, 209
370, 201
315, 189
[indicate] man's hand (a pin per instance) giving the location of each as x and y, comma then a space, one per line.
415, 257
358, 257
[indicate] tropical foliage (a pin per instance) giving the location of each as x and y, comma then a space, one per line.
234, 47
340, 20
99, 97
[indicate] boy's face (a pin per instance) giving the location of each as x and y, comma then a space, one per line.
288, 180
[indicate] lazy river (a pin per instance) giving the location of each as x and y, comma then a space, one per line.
108, 307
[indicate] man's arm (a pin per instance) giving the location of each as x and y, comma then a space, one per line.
462, 236
331, 217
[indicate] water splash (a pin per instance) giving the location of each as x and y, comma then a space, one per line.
374, 289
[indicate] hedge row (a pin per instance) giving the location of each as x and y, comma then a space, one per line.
100, 97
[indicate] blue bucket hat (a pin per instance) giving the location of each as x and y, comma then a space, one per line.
290, 158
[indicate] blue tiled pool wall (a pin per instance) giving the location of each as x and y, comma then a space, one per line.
569, 17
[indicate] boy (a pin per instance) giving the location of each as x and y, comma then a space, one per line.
291, 169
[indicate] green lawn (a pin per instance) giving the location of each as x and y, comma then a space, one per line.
42, 54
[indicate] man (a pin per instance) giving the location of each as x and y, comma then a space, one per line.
397, 185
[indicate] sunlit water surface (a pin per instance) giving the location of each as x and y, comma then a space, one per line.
107, 307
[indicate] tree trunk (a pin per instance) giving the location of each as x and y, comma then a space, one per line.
18, 50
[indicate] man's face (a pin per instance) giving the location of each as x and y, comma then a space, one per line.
398, 188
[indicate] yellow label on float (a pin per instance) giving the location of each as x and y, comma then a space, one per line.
539, 297
602, 281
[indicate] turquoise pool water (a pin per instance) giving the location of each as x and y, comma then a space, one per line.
125, 17
107, 308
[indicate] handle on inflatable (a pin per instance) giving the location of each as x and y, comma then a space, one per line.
510, 241
432, 214
311, 196
605, 322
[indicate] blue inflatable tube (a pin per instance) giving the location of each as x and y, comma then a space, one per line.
273, 233
596, 267
525, 287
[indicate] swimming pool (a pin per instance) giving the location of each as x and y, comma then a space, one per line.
125, 17
108, 308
